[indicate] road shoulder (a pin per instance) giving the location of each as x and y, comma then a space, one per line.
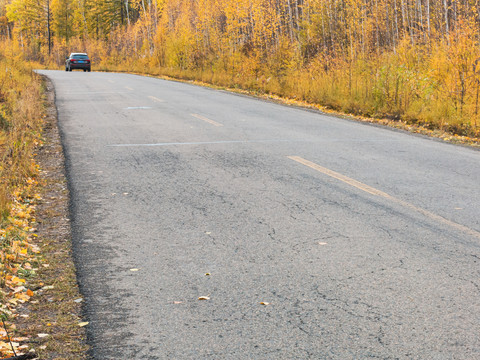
56, 310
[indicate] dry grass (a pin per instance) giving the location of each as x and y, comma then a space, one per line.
20, 125
20, 128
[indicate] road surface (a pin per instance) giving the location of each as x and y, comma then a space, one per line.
309, 236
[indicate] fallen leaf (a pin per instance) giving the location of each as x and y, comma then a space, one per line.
19, 289
30, 293
17, 280
134, 270
264, 303
82, 324
203, 298
322, 243
18, 339
178, 302
78, 301
4, 344
207, 274
43, 335
22, 297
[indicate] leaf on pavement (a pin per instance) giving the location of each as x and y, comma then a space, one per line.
203, 298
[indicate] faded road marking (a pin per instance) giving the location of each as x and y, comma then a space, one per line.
138, 108
376, 192
200, 143
156, 99
128, 88
214, 123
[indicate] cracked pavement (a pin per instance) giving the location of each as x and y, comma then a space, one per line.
346, 274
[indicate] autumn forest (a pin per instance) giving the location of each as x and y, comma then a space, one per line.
412, 60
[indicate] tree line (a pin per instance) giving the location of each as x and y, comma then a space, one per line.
315, 26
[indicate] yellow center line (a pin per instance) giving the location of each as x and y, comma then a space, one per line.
377, 192
214, 123
156, 99
339, 176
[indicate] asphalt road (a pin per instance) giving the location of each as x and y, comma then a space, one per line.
361, 242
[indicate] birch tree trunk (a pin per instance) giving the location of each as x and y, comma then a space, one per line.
447, 30
127, 11
429, 31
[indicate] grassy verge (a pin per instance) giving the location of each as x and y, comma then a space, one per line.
39, 298
20, 134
